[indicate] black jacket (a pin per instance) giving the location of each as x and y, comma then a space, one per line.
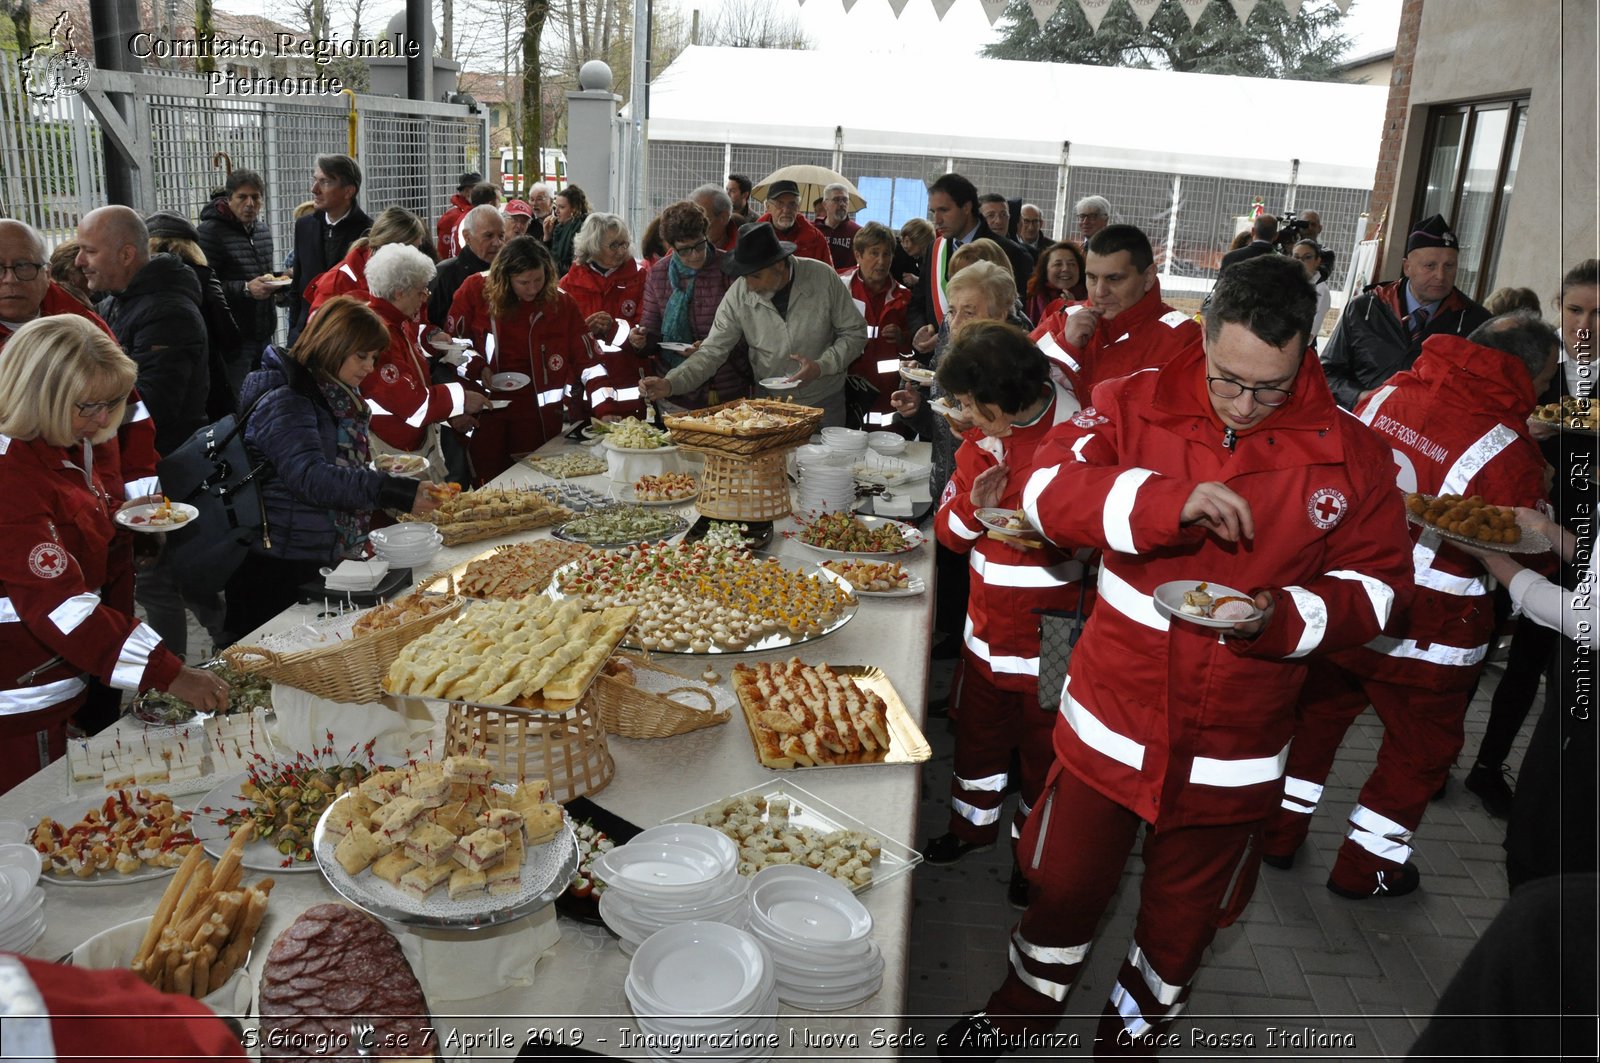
920, 311
222, 341
1254, 249
1371, 343
318, 249
158, 320
238, 255
448, 279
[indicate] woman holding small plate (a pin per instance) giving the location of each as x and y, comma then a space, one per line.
64, 390
1002, 383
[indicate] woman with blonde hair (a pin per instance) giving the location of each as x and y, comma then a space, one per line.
522, 321
395, 225
64, 390
307, 417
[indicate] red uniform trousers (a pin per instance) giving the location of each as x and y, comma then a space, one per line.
1422, 734
990, 724
31, 741
1073, 849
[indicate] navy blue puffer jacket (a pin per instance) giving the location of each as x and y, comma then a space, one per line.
295, 429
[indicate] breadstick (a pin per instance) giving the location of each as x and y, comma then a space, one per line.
202, 971
169, 901
233, 954
199, 885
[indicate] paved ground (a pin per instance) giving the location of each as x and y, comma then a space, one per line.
1299, 958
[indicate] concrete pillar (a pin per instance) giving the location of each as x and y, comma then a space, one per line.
591, 115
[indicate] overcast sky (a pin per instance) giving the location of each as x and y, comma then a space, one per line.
871, 24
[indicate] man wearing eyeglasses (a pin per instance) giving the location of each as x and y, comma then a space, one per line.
1124, 326
1230, 465
1093, 213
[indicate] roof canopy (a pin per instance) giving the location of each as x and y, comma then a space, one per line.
1153, 120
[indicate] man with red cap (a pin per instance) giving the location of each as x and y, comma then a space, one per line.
791, 226
1458, 424
1382, 330
518, 217
1124, 326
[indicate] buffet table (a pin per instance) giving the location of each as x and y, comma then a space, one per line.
577, 984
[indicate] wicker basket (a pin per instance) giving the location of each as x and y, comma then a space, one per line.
685, 432
632, 712
567, 749
351, 671
744, 488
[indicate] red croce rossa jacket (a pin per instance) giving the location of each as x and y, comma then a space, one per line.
1163, 716
1457, 422
1148, 333
611, 382
879, 361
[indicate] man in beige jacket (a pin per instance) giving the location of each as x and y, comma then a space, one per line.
790, 312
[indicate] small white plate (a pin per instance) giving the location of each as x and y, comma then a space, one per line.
275, 284
778, 383
18, 854
451, 345
916, 374
942, 407
412, 465
13, 831
1169, 602
995, 520
658, 868
675, 348
510, 381
805, 912
137, 518
499, 404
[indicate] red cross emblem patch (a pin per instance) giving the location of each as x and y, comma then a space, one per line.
555, 362
628, 307
389, 373
1088, 418
1326, 508
47, 560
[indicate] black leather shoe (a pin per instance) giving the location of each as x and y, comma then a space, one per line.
1017, 892
972, 1037
1398, 884
1282, 863
947, 849
1492, 787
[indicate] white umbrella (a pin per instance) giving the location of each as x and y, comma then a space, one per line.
812, 180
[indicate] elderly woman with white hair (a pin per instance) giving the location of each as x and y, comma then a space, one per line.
607, 282
408, 410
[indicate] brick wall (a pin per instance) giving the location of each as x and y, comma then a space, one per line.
1384, 198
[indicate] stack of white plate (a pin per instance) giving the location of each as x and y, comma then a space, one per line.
850, 442
819, 936
827, 483
704, 986
887, 442
21, 896
674, 873
410, 545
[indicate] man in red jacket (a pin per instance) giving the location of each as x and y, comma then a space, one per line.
450, 220
1124, 326
783, 211
1457, 421
1230, 464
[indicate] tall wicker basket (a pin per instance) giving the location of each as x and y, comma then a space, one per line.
744, 488
568, 749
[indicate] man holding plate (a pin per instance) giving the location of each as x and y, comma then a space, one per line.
802, 328
1209, 467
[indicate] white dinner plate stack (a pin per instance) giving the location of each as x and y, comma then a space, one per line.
671, 874
707, 988
849, 443
827, 482
408, 545
819, 936
21, 896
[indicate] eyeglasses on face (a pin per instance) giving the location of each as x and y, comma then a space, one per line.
1223, 388
617, 245
1089, 217
23, 271
94, 409
699, 247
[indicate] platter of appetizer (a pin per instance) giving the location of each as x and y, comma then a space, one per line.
848, 535
1204, 603
246, 694
489, 512
156, 516
630, 433
875, 579
710, 599
662, 489
438, 845
621, 525
516, 570
566, 466
1571, 414
1474, 522
126, 836
818, 716
401, 464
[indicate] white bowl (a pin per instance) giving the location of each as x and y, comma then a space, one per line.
699, 969
693, 836
887, 442
114, 948
407, 534
17, 854
851, 435
409, 558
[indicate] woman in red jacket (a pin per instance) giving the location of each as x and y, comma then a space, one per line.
607, 283
408, 409
1004, 386
396, 225
883, 301
523, 323
64, 390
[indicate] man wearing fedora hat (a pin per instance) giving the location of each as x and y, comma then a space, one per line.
783, 211
800, 324
1381, 331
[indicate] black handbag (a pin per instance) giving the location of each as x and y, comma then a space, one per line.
216, 472
1058, 634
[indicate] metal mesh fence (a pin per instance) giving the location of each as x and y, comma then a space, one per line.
51, 167
757, 162
1034, 182
677, 169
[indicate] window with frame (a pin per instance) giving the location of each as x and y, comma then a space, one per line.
1469, 166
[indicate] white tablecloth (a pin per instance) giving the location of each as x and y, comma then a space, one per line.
578, 981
